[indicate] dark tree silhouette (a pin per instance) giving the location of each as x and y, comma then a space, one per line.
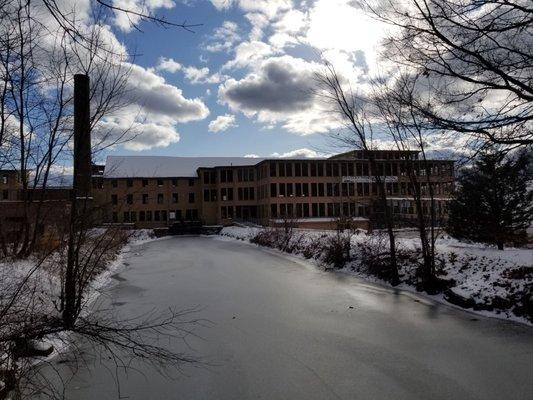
493, 202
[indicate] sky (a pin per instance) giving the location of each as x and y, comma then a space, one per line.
242, 83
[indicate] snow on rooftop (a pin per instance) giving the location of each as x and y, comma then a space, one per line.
166, 167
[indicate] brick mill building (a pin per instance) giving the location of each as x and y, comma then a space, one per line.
153, 191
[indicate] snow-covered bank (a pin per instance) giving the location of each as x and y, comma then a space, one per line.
484, 280
38, 281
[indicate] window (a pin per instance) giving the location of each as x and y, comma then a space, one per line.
210, 177
305, 169
157, 216
148, 215
178, 215
335, 169
163, 215
245, 175
273, 191
290, 191
281, 169
115, 217
133, 216
160, 198
191, 215
246, 193
114, 183
344, 169
160, 182
314, 189
191, 197
272, 169
5, 195
297, 169
305, 189
174, 182
321, 189
129, 182
191, 182
273, 210
329, 169
145, 182
213, 195
313, 169
114, 199
129, 199
226, 194
142, 215
126, 216
320, 169
226, 175
207, 195
174, 197
298, 189
4, 179
145, 198
288, 169
281, 190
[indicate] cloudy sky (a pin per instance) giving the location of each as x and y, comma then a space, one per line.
241, 84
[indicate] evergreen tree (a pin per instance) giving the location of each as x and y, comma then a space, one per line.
493, 201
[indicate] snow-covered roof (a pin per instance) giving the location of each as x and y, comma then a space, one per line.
167, 167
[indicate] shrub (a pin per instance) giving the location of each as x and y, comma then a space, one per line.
335, 250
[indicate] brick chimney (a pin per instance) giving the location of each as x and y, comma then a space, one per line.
82, 138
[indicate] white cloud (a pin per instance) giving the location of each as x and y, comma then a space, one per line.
222, 4
270, 8
126, 21
168, 65
222, 123
202, 75
251, 156
298, 153
223, 38
249, 53
154, 109
292, 21
342, 26
157, 97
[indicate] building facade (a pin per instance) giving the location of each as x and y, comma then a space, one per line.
313, 193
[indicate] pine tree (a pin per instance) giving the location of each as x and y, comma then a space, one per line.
493, 202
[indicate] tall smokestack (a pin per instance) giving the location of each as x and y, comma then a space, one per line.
82, 137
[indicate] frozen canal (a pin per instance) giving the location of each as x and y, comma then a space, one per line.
283, 330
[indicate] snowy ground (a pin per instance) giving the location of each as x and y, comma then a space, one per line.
41, 285
491, 280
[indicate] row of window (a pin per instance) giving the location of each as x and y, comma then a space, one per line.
288, 169
226, 194
239, 212
157, 215
350, 189
149, 182
226, 175
318, 210
145, 198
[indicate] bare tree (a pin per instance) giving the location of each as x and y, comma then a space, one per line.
476, 59
36, 115
393, 105
352, 110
